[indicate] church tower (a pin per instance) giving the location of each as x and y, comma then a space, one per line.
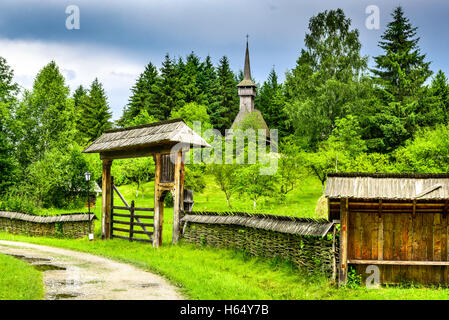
247, 88
247, 93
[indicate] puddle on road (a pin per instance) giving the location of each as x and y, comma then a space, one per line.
28, 259
62, 296
46, 267
147, 285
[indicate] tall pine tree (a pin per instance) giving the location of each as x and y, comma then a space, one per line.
227, 98
144, 97
271, 102
401, 70
169, 93
97, 116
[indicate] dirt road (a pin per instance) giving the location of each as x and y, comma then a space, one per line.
75, 275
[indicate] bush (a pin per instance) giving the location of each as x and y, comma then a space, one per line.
15, 202
57, 180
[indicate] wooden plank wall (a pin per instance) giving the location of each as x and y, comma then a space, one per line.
400, 236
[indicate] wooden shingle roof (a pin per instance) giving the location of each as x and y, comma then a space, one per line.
71, 217
169, 133
388, 186
285, 224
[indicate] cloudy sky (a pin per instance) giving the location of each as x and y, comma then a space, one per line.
117, 38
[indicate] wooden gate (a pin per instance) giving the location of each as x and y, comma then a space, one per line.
123, 224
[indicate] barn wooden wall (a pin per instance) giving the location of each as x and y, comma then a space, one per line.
400, 237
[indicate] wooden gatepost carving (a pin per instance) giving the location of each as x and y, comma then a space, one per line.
167, 142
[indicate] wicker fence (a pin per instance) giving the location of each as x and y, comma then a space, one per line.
66, 225
305, 242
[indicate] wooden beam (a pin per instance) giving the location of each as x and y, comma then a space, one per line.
106, 200
343, 240
140, 152
400, 262
178, 195
156, 231
393, 204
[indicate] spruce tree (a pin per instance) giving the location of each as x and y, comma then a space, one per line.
144, 97
271, 102
208, 84
401, 70
227, 98
96, 114
169, 94
80, 100
189, 80
439, 91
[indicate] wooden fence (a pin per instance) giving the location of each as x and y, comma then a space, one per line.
127, 222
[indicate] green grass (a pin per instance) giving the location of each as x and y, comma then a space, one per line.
300, 202
19, 280
208, 273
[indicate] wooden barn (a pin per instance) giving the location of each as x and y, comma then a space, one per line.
397, 222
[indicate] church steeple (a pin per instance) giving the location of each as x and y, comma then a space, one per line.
247, 93
247, 69
247, 88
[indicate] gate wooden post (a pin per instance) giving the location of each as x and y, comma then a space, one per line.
178, 195
106, 199
157, 207
344, 208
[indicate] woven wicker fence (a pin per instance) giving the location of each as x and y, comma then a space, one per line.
67, 225
311, 253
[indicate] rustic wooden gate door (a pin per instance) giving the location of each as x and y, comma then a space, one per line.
123, 225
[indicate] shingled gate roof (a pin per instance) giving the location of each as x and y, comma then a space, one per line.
390, 186
285, 224
168, 132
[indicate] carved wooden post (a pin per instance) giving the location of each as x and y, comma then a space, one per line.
157, 207
178, 195
344, 208
106, 200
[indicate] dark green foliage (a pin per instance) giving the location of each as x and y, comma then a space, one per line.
271, 102
169, 94
227, 106
144, 97
401, 70
96, 114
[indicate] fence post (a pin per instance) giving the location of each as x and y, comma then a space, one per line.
131, 226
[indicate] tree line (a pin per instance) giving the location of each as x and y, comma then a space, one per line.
332, 111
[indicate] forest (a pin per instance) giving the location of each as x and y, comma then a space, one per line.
333, 113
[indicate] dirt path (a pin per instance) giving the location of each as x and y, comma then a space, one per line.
75, 275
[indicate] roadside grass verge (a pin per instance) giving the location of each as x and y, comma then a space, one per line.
19, 280
225, 274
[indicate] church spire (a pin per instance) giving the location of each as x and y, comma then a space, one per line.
247, 69
247, 82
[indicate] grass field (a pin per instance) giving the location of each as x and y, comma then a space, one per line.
300, 202
19, 280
